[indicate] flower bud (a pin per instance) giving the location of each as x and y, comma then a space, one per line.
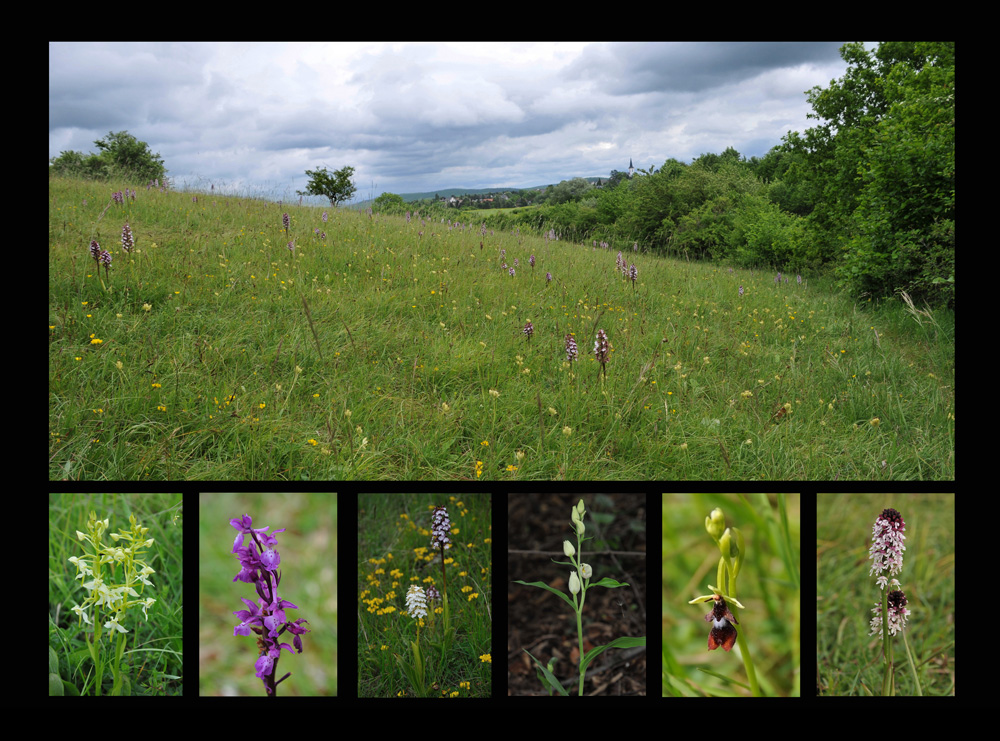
574, 583
568, 549
576, 514
581, 510
715, 524
586, 571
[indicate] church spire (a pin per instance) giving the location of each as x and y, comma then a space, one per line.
631, 169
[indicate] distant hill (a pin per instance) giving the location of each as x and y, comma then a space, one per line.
449, 192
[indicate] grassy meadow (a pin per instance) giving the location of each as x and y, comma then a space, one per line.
381, 348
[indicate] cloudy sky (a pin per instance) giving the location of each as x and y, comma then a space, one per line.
412, 117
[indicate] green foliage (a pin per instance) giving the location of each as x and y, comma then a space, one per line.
389, 203
704, 231
336, 185
121, 156
764, 236
569, 190
884, 161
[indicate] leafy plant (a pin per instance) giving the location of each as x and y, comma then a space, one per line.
111, 574
579, 583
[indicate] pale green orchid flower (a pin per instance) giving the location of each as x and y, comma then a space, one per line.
79, 611
113, 623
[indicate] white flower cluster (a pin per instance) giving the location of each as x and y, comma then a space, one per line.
416, 602
113, 596
898, 612
887, 546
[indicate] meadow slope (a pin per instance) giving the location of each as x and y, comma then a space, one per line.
381, 348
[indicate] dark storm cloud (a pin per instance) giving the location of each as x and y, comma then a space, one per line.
626, 69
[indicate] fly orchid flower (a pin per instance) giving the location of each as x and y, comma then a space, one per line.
732, 549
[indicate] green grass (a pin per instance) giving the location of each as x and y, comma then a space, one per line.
393, 540
154, 654
848, 660
197, 357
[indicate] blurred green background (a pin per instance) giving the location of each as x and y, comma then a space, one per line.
849, 662
308, 568
768, 587
160, 637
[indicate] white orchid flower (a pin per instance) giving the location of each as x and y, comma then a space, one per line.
113, 623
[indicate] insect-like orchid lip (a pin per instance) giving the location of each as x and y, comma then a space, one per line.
723, 633
724, 636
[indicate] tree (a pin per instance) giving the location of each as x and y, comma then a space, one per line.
882, 161
389, 203
121, 155
337, 186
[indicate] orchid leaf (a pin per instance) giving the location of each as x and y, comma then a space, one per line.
608, 582
549, 676
543, 585
623, 642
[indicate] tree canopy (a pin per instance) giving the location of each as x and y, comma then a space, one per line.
336, 186
121, 155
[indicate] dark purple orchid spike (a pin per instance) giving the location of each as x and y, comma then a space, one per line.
265, 617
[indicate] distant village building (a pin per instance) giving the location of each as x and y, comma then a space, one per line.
631, 169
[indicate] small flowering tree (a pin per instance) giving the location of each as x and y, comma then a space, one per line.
266, 617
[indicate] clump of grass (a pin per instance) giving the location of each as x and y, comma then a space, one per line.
226, 355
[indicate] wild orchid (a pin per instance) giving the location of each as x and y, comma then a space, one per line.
115, 576
579, 583
416, 606
724, 621
602, 351
266, 617
886, 553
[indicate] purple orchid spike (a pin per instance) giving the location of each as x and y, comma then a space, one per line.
265, 617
